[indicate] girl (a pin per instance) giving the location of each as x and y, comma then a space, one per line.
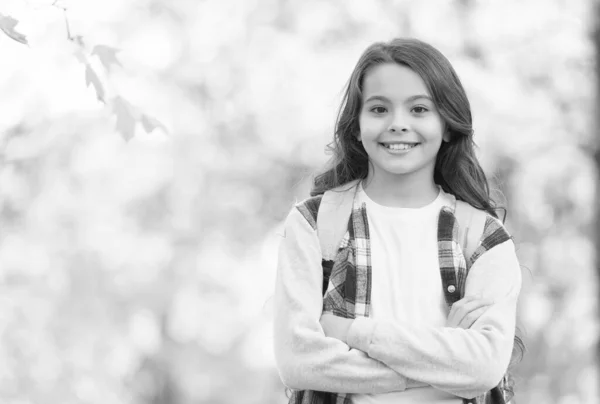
382, 333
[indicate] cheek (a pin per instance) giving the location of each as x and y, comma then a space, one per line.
434, 130
369, 126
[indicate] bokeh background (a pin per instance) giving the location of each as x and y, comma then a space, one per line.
150, 150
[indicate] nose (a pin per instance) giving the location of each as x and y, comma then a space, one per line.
396, 128
398, 124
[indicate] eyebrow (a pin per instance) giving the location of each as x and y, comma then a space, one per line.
409, 99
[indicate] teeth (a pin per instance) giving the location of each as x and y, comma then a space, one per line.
397, 146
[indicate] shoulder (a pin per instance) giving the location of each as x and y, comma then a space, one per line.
493, 230
494, 234
309, 208
496, 273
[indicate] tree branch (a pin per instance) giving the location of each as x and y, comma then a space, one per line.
64, 9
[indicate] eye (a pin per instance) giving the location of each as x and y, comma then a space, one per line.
378, 110
419, 109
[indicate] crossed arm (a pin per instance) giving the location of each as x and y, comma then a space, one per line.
305, 357
367, 356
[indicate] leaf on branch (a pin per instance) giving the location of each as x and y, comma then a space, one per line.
107, 55
150, 123
78, 39
80, 56
8, 24
126, 117
92, 78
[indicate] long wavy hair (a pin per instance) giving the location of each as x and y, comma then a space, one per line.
457, 169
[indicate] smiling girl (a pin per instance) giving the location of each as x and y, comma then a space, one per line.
383, 331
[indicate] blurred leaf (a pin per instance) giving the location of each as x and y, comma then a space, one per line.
80, 55
92, 77
150, 123
107, 55
8, 24
126, 118
78, 39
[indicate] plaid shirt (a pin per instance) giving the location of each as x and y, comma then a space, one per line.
347, 279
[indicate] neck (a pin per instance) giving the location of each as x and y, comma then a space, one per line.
402, 191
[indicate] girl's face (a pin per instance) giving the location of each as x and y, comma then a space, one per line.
400, 127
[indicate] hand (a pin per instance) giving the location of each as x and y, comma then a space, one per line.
466, 311
335, 327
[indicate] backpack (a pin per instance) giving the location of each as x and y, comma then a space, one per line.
336, 207
334, 214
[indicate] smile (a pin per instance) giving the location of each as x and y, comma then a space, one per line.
399, 147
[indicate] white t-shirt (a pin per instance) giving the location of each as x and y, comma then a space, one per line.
406, 282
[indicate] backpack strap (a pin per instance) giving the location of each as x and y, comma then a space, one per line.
332, 218
471, 223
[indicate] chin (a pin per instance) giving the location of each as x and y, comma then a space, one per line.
401, 170
405, 170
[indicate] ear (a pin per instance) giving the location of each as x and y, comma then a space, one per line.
446, 136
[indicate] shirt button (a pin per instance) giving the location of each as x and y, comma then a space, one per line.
451, 288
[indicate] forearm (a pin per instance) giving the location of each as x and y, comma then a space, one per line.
466, 363
305, 357
463, 362
325, 364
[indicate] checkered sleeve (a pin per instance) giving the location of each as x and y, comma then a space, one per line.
494, 233
305, 358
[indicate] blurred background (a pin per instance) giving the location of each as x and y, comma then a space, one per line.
150, 150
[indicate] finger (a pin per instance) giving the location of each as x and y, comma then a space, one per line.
457, 313
471, 302
475, 304
468, 320
465, 301
471, 298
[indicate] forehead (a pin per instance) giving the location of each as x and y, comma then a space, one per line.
393, 81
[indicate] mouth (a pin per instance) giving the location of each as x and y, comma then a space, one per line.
399, 147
